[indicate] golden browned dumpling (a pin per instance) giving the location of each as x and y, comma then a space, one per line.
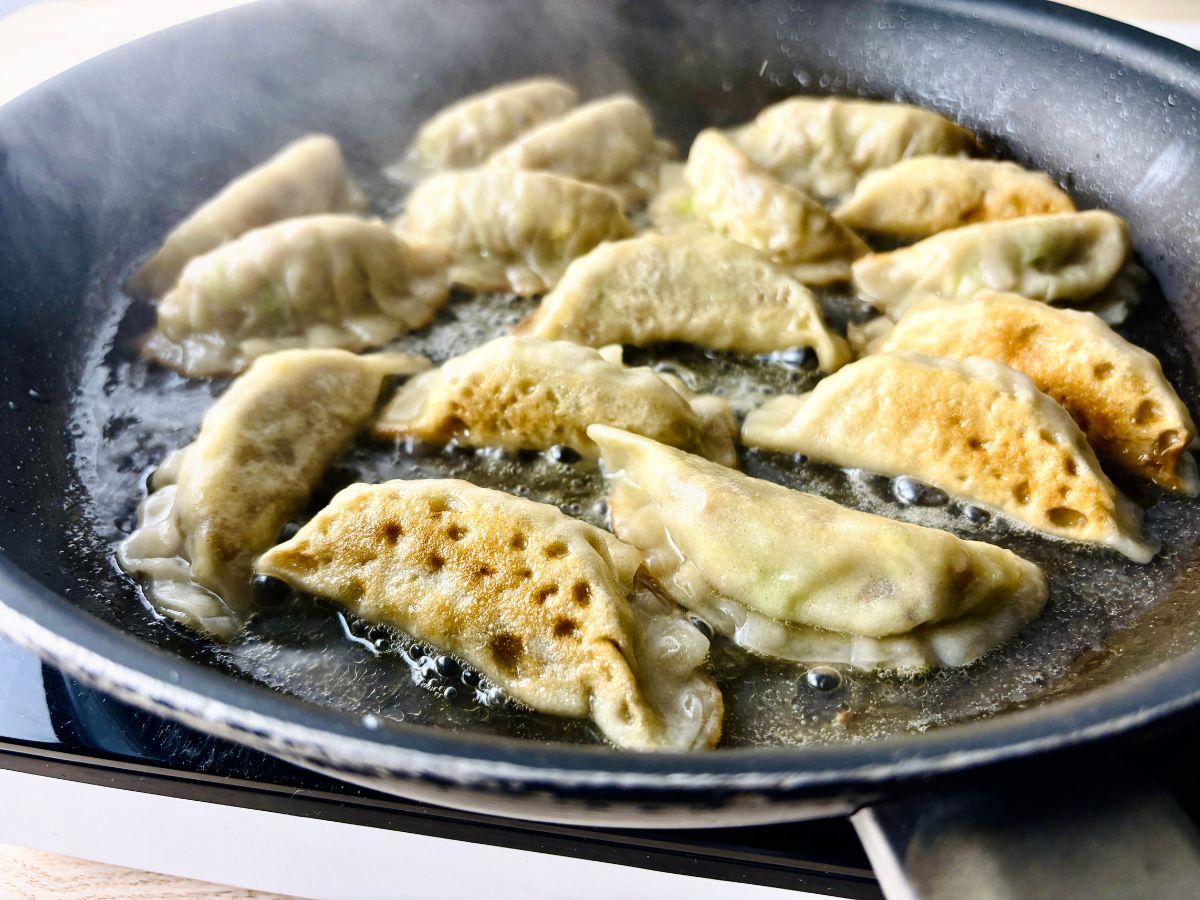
927, 194
1059, 258
219, 502
824, 145
691, 286
467, 132
313, 281
609, 142
543, 604
509, 230
1113, 389
791, 575
729, 194
976, 429
529, 393
307, 176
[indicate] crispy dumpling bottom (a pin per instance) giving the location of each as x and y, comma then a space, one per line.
544, 605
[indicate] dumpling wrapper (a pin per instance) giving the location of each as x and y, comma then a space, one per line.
927, 194
543, 604
315, 281
307, 176
1114, 390
974, 428
1063, 257
729, 194
690, 286
530, 393
219, 502
467, 132
824, 145
510, 230
791, 575
609, 142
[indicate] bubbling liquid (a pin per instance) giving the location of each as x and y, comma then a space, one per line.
129, 415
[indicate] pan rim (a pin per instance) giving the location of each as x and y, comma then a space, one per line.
188, 691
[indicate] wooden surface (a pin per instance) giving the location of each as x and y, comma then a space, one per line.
35, 875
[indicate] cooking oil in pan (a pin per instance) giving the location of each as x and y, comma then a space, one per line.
129, 415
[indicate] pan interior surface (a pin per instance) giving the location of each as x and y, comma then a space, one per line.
88, 183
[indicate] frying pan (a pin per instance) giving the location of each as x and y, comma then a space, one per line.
98, 163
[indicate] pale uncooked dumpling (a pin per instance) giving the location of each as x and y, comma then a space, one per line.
824, 145
927, 194
795, 576
691, 286
1114, 390
543, 604
530, 393
307, 176
1066, 257
314, 281
221, 501
978, 430
609, 142
511, 230
467, 132
729, 194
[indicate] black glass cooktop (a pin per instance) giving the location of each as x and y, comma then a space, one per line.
52, 725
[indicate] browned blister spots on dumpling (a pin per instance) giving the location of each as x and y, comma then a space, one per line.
500, 581
530, 393
907, 414
1115, 391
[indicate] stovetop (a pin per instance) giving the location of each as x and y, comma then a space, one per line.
54, 726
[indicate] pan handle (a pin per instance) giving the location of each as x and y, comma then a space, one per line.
1094, 840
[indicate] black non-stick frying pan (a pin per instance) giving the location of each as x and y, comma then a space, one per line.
97, 164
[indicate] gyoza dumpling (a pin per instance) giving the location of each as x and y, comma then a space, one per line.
529, 393
466, 133
922, 196
315, 281
974, 428
823, 145
690, 286
1114, 390
511, 230
1064, 257
791, 575
221, 501
736, 198
541, 603
609, 142
307, 176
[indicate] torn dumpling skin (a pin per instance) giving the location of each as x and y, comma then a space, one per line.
530, 393
1115, 390
974, 428
543, 604
791, 575
332, 281
221, 500
306, 177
